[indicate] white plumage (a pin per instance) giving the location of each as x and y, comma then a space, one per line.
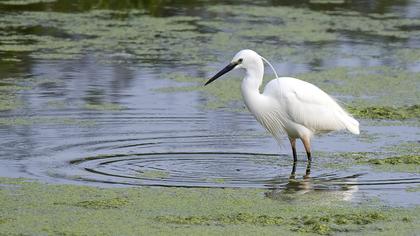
288, 105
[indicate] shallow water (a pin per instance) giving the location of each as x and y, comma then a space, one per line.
101, 119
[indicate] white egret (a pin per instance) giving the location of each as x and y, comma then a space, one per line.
288, 105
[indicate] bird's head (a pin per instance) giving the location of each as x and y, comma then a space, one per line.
245, 59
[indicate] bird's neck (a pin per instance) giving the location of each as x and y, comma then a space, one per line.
250, 87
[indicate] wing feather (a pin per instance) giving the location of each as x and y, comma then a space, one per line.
307, 105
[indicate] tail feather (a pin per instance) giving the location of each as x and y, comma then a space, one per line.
352, 125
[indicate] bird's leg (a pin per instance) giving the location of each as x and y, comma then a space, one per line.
293, 144
307, 143
308, 171
293, 173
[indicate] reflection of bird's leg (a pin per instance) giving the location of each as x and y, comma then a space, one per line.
307, 143
293, 173
293, 143
308, 171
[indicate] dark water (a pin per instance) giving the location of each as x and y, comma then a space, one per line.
168, 139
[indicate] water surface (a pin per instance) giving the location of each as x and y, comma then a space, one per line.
91, 104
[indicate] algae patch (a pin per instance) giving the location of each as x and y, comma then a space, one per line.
239, 218
103, 203
8, 94
40, 120
103, 106
406, 159
387, 112
328, 224
82, 210
400, 163
318, 224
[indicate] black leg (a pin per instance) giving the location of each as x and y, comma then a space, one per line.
293, 144
309, 156
293, 173
294, 155
308, 170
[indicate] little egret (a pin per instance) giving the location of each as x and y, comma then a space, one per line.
288, 105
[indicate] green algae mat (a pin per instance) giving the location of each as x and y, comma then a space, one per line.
32, 208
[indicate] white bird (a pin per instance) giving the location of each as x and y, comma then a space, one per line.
288, 105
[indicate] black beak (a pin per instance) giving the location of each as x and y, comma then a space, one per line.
222, 72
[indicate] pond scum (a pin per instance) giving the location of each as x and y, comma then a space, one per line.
46, 209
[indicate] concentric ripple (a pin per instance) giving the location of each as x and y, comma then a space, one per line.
223, 169
186, 169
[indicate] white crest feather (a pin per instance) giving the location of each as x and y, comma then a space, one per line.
271, 66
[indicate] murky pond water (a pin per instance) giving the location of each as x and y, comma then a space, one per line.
110, 94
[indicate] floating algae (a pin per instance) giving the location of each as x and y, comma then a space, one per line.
103, 203
396, 160
103, 106
99, 31
386, 112
81, 210
319, 224
44, 120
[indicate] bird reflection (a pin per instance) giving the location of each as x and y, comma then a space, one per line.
302, 186
338, 187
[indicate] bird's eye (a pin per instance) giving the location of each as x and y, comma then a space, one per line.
240, 60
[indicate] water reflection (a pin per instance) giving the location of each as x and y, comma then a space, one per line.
332, 187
